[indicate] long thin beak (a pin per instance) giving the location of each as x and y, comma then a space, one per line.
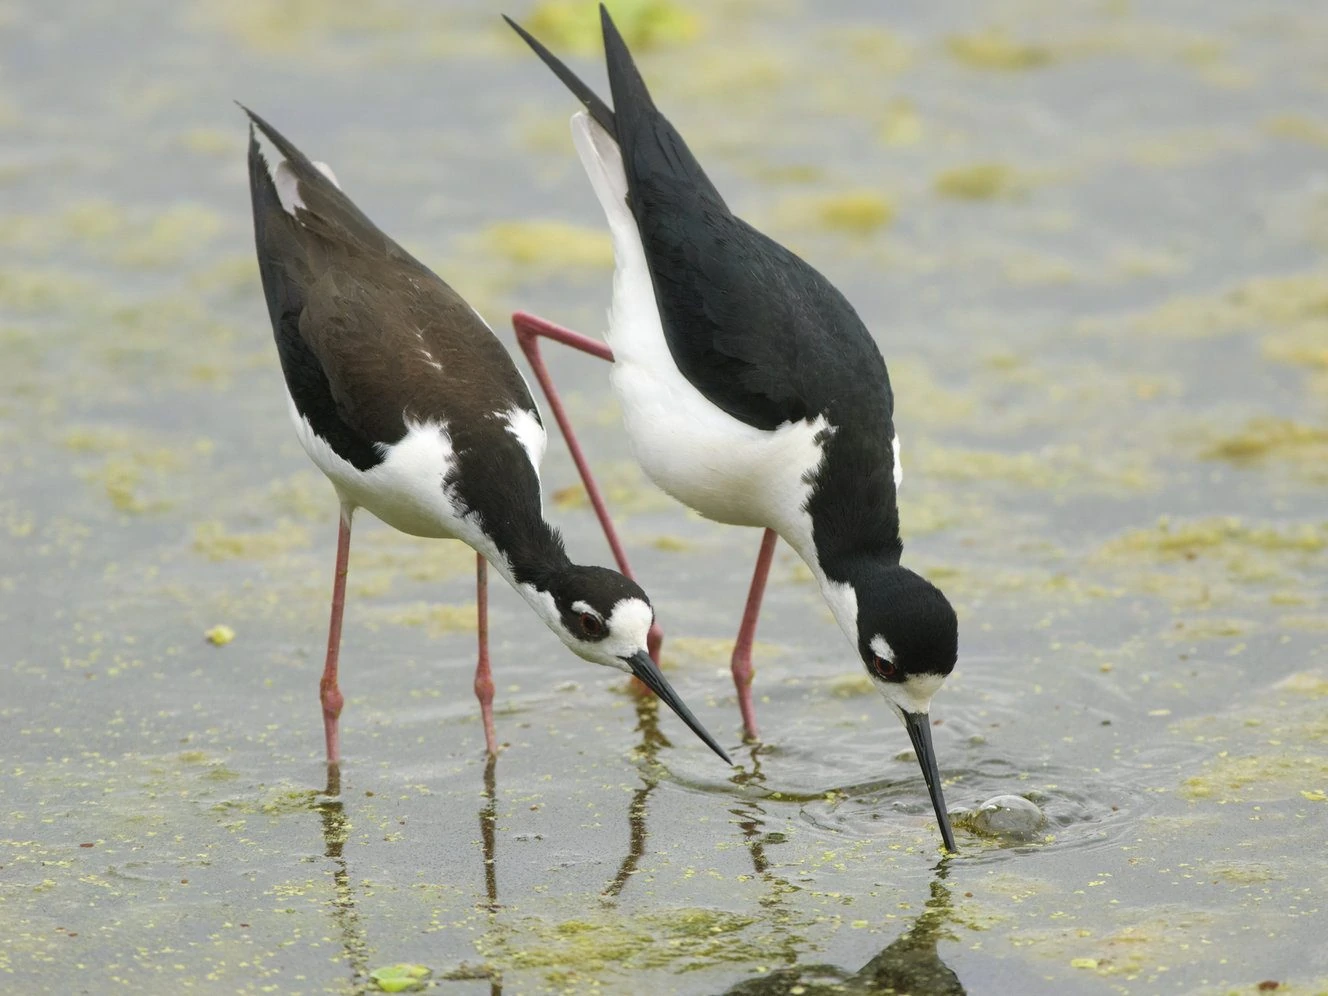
919, 731
646, 669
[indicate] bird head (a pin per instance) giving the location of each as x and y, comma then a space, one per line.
605, 618
908, 638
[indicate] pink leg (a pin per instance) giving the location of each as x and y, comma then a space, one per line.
742, 647
529, 329
483, 677
329, 692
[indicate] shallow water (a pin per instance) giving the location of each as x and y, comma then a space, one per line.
1090, 238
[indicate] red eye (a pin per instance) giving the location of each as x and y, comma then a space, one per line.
887, 669
592, 625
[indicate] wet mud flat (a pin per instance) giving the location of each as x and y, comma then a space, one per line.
1090, 239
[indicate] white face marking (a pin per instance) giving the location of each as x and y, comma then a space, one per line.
628, 626
585, 609
899, 467
882, 649
913, 694
523, 424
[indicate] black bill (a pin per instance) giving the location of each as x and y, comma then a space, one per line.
646, 669
919, 731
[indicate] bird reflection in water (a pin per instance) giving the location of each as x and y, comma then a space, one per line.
652, 739
489, 843
489, 834
910, 964
336, 828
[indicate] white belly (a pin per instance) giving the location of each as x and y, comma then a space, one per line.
721, 467
406, 490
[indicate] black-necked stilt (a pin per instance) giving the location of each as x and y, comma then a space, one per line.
753, 393
405, 399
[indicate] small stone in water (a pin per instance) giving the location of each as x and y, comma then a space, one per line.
1008, 816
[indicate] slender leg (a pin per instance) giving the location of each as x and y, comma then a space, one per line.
742, 647
483, 677
329, 692
529, 329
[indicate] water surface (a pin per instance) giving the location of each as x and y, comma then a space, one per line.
1090, 239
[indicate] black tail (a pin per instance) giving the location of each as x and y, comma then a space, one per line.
598, 109
626, 86
292, 155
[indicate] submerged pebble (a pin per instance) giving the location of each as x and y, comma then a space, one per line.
1009, 816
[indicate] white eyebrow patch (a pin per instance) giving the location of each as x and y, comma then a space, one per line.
580, 606
882, 649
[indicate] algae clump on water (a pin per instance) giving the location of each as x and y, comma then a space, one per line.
978, 182
644, 24
995, 49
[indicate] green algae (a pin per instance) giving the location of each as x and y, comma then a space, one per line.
672, 544
30, 289
436, 619
1209, 628
691, 651
283, 25
548, 246
140, 238
850, 686
137, 473
216, 542
995, 49
1225, 538
855, 212
1297, 302
625, 488
1147, 949
901, 124
569, 26
588, 951
1264, 440
1268, 749
384, 558
979, 182
1261, 777
402, 978
219, 635
1060, 468
1298, 127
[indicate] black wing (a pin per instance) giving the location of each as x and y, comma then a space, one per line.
367, 334
752, 326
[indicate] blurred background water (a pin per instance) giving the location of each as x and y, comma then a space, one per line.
1090, 238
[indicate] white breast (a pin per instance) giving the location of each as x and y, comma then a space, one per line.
407, 489
721, 467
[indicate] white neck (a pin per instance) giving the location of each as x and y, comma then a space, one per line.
840, 596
